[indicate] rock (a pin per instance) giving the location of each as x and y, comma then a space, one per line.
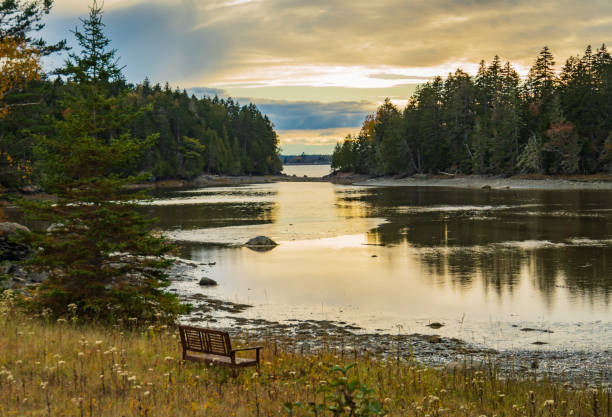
6, 268
38, 277
207, 282
529, 329
9, 228
261, 241
465, 365
9, 249
435, 325
60, 227
56, 227
30, 189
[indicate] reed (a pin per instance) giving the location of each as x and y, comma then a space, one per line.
63, 368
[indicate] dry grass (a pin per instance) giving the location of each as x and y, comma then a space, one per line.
65, 369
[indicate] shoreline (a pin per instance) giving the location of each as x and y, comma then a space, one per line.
347, 339
543, 183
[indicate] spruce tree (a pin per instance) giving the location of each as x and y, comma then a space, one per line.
98, 252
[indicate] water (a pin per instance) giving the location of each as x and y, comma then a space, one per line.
313, 171
484, 263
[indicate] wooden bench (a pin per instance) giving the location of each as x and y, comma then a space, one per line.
213, 346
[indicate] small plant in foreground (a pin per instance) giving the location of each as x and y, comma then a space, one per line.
342, 397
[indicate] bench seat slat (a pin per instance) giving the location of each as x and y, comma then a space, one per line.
226, 360
213, 346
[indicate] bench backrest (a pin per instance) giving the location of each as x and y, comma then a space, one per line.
198, 339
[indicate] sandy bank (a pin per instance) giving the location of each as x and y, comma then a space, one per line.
204, 181
600, 182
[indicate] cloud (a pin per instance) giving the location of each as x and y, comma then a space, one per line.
314, 141
206, 92
296, 115
340, 43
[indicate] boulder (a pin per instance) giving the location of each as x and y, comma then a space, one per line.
9, 228
261, 241
471, 364
207, 282
9, 249
38, 277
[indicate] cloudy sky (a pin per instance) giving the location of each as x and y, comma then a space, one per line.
318, 67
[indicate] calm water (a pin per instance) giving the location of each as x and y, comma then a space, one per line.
307, 170
485, 263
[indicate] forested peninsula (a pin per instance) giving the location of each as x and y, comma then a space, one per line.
494, 123
195, 135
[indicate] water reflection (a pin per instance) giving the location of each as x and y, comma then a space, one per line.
555, 239
480, 261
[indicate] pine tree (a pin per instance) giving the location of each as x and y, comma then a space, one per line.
530, 159
562, 149
99, 252
20, 19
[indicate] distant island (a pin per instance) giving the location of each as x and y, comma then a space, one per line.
304, 159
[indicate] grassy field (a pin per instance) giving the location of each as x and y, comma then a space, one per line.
62, 368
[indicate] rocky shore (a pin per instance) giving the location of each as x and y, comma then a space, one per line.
348, 339
521, 182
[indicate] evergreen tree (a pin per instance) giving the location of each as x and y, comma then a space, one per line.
19, 20
99, 252
388, 135
530, 159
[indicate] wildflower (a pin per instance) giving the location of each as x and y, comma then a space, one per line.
101, 376
150, 370
61, 363
98, 342
18, 362
43, 384
387, 400
132, 378
548, 403
168, 358
255, 375
81, 354
146, 393
61, 320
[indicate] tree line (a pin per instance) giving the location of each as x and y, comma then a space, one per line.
553, 122
195, 135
